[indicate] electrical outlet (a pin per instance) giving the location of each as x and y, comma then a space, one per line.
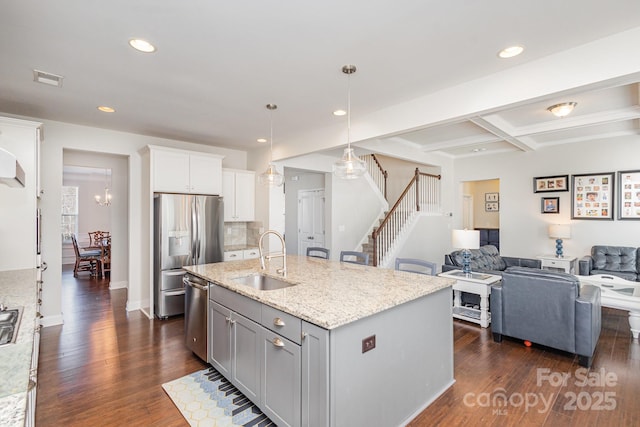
368, 343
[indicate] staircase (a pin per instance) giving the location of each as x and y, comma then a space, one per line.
422, 194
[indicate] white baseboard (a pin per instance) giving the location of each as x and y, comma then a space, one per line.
51, 320
118, 285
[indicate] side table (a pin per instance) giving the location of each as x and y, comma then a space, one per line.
551, 262
474, 283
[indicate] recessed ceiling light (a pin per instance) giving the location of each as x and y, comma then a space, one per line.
106, 109
142, 45
511, 51
563, 109
261, 140
477, 150
339, 113
47, 78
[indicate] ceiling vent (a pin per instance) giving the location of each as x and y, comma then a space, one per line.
47, 78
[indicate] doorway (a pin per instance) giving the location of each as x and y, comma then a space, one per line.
104, 175
311, 227
481, 209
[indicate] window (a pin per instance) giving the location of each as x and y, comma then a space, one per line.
69, 213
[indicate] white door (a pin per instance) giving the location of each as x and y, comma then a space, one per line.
310, 219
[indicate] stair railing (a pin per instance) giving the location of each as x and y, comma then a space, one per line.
422, 194
377, 172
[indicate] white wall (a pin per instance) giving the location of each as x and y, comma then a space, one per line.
60, 136
523, 229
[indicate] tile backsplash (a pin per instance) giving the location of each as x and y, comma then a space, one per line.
242, 233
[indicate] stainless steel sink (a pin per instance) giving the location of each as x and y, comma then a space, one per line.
263, 282
9, 322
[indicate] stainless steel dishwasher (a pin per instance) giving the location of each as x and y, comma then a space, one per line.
195, 315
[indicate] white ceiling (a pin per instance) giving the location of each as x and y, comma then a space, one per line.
218, 64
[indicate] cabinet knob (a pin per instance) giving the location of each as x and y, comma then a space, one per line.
278, 321
278, 342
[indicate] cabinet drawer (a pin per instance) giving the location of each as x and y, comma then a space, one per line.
250, 253
233, 255
282, 323
240, 304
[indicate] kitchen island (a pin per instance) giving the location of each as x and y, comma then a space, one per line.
347, 345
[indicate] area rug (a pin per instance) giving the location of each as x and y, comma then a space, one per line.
207, 399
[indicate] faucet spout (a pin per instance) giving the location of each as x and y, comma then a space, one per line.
283, 254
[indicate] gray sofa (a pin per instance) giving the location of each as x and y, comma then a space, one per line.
621, 261
487, 259
547, 308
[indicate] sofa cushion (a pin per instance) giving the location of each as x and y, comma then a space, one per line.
614, 258
483, 259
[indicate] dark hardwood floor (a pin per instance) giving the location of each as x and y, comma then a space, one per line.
105, 367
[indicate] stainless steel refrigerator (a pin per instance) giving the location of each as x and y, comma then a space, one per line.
188, 230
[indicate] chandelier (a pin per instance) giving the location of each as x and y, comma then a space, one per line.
106, 201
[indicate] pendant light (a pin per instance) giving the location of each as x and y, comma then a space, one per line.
107, 194
349, 166
271, 176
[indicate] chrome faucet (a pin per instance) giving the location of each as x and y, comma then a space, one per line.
271, 255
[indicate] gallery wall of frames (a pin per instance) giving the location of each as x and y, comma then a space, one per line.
594, 196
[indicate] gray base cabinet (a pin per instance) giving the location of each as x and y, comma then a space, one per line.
368, 372
315, 375
280, 379
263, 364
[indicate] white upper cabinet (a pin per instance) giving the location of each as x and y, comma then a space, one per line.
18, 205
179, 171
238, 191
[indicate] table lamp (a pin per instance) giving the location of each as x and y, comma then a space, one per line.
559, 232
465, 240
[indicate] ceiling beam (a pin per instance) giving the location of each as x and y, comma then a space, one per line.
496, 126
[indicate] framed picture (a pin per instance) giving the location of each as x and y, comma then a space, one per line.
546, 184
550, 205
492, 206
592, 196
491, 197
629, 194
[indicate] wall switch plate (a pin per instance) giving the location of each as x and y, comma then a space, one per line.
368, 343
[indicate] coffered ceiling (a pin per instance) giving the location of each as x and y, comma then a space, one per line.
599, 114
218, 63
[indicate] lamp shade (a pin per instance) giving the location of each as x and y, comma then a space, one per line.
560, 231
465, 239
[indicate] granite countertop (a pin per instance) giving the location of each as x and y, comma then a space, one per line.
328, 293
17, 289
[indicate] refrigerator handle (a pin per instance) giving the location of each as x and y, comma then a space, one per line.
194, 230
197, 235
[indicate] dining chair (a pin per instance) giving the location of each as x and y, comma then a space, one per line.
413, 265
317, 252
96, 237
105, 257
354, 257
86, 260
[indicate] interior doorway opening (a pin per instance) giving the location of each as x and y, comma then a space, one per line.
88, 179
481, 209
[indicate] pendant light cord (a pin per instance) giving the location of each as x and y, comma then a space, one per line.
271, 107
349, 110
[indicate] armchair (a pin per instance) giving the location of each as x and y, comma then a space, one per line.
551, 309
621, 261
